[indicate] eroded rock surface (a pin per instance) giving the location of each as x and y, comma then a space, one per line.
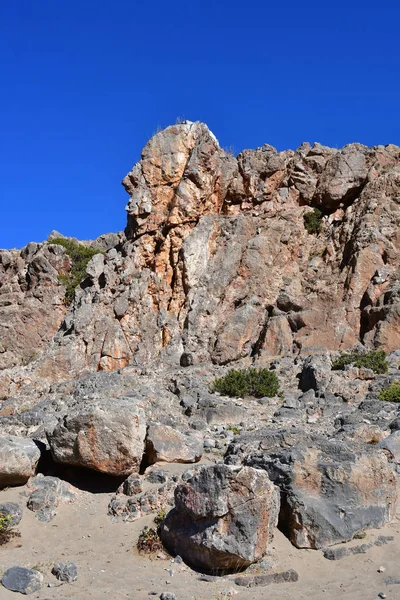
223, 518
19, 457
107, 436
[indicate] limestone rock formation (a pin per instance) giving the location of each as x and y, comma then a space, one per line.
217, 264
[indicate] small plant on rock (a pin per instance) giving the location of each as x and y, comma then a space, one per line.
313, 221
149, 541
247, 382
391, 393
374, 360
160, 516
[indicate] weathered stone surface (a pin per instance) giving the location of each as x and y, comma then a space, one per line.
218, 266
166, 444
11, 510
223, 518
330, 490
262, 580
18, 460
67, 572
107, 435
22, 580
48, 493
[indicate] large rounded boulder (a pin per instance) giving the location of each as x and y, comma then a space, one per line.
106, 436
223, 518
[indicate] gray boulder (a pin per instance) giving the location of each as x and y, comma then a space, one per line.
223, 518
106, 436
330, 489
19, 457
22, 580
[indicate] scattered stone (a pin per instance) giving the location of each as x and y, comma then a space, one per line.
65, 572
22, 580
167, 596
157, 476
392, 581
131, 486
19, 457
381, 570
341, 552
47, 494
261, 580
13, 511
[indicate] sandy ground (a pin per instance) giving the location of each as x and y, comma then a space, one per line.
110, 568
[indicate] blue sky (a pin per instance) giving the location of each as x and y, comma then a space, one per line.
84, 84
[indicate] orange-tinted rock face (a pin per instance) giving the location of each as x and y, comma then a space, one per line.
219, 265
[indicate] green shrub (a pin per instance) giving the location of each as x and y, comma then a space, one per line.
391, 393
247, 382
313, 221
374, 359
5, 529
80, 255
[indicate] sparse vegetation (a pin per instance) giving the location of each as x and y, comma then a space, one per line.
313, 221
29, 359
160, 516
235, 430
6, 534
80, 255
247, 382
149, 541
391, 393
374, 359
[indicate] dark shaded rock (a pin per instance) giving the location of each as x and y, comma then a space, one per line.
157, 476
223, 518
22, 580
131, 486
11, 510
65, 572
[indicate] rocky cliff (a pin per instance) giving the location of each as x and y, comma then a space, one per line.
218, 265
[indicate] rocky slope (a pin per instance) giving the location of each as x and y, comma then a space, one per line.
218, 264
216, 269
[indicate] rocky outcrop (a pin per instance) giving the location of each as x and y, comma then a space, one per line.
223, 518
330, 489
19, 457
218, 265
107, 436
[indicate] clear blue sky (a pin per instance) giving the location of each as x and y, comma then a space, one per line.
85, 83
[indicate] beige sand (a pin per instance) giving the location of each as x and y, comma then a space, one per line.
110, 569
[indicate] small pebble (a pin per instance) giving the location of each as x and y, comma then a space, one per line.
381, 570
382, 595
